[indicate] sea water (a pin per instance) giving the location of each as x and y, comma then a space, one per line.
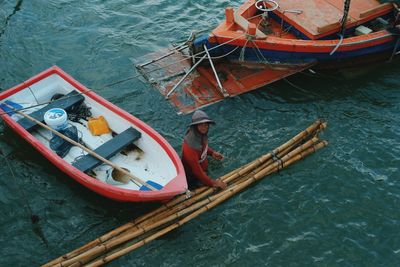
338, 207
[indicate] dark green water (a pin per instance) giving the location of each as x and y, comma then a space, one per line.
339, 207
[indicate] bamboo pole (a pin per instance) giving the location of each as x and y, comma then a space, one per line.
183, 198
200, 193
280, 164
280, 151
140, 230
296, 157
315, 126
87, 255
210, 190
191, 201
131, 224
89, 151
253, 166
135, 231
232, 191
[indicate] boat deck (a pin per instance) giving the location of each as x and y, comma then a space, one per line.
320, 18
200, 88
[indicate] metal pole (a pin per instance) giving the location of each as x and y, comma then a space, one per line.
184, 77
161, 57
215, 74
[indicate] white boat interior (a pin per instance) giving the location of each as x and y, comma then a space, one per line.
143, 157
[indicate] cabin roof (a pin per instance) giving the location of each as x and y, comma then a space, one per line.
320, 18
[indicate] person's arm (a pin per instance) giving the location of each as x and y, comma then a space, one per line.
215, 154
190, 157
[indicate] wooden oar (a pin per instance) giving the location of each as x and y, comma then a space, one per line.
89, 151
46, 103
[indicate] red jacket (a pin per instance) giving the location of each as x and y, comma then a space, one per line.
193, 168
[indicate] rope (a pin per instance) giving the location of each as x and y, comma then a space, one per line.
337, 45
343, 21
395, 49
227, 54
259, 51
276, 158
198, 55
241, 55
318, 107
30, 89
48, 102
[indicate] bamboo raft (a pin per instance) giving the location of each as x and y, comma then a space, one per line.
182, 209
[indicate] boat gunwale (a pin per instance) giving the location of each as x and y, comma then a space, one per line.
299, 45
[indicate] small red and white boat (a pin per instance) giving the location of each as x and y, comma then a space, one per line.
128, 143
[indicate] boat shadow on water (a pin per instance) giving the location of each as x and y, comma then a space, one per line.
311, 87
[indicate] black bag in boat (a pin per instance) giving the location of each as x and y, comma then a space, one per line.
61, 146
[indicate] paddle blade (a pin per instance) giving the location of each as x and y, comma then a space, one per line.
121, 177
7, 109
151, 183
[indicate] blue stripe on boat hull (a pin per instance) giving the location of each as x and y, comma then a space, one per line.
283, 57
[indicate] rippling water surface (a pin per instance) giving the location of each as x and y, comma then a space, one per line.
339, 207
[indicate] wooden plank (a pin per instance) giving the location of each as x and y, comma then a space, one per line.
66, 102
360, 9
375, 10
200, 88
320, 18
107, 150
244, 24
317, 16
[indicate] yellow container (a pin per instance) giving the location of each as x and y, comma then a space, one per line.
98, 126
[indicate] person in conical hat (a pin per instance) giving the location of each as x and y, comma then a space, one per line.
195, 152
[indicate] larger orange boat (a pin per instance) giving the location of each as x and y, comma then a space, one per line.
326, 32
266, 40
